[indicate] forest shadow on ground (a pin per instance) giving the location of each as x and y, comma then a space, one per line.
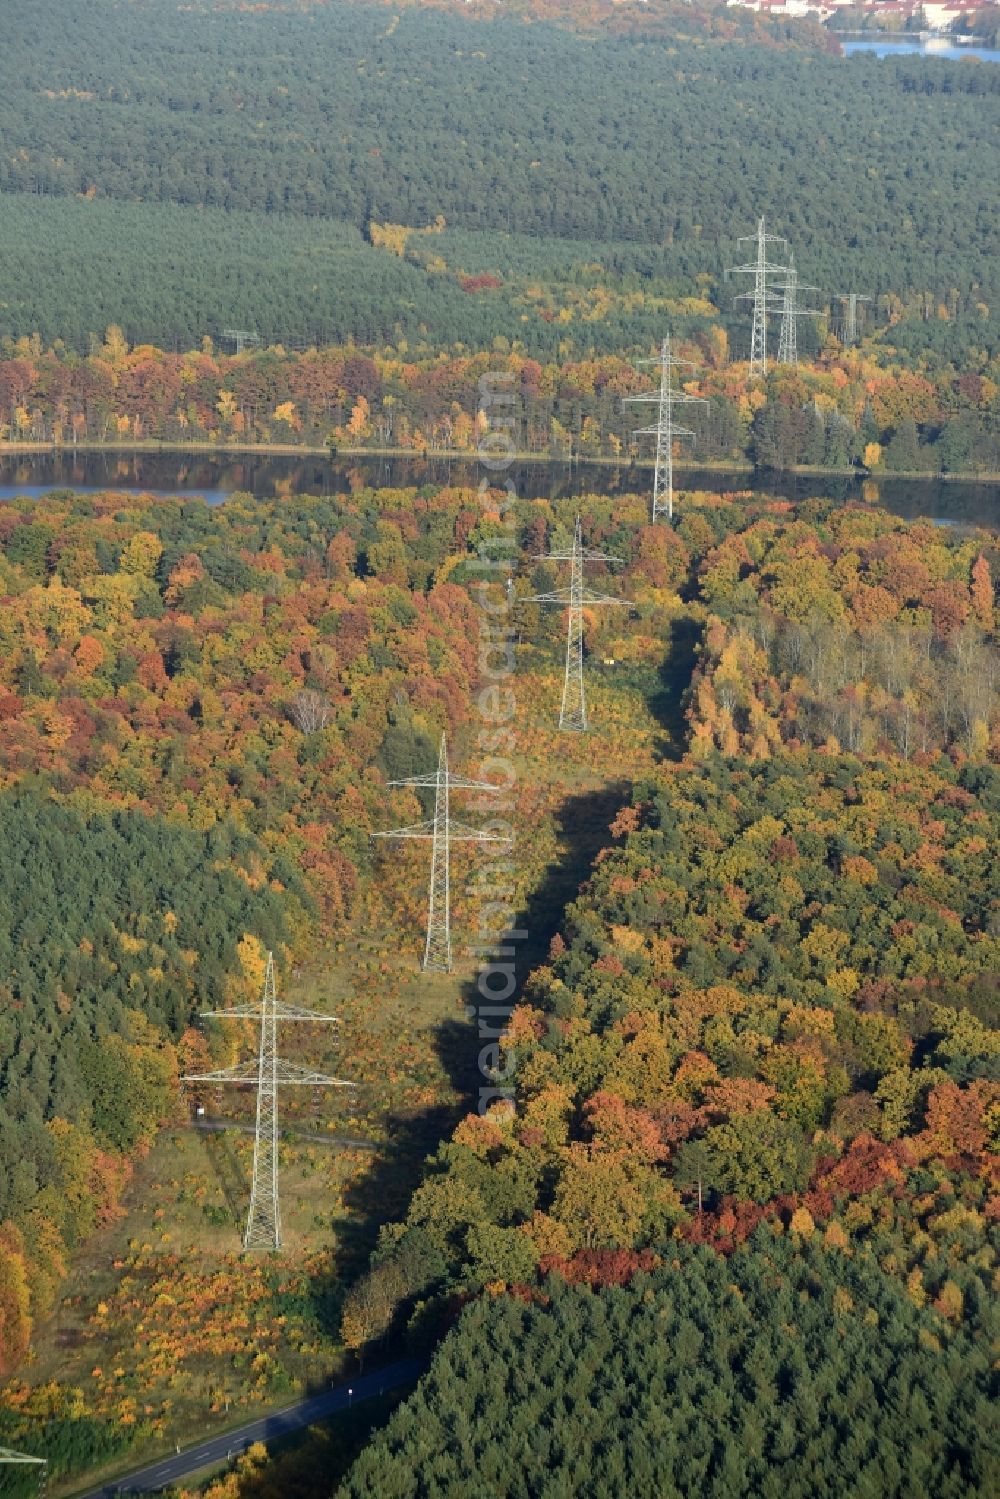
668, 700
583, 826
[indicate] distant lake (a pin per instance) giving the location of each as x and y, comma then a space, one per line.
214, 477
922, 46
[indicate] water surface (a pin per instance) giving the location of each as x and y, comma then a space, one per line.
920, 46
216, 476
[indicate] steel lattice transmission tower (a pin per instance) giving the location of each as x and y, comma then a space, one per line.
760, 268
442, 830
267, 1073
788, 350
242, 338
10, 1458
8, 1455
573, 713
665, 429
852, 299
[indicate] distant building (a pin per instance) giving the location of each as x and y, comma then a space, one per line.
941, 17
817, 8
932, 15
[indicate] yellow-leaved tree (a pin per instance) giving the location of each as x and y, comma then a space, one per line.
359, 426
142, 554
249, 982
286, 413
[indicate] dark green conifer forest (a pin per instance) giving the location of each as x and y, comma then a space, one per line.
115, 928
784, 1369
648, 152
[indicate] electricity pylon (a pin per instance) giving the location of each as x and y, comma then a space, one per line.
442, 830
268, 1072
665, 429
242, 338
852, 299
788, 349
21, 1459
573, 713
8, 1455
760, 268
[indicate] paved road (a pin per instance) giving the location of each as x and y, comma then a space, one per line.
216, 1451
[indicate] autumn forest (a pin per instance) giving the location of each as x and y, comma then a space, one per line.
685, 1178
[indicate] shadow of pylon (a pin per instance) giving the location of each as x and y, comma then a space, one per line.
229, 1174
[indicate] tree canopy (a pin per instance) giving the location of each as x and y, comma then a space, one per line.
882, 173
782, 1370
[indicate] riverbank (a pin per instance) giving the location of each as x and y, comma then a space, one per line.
235, 452
881, 475
311, 450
